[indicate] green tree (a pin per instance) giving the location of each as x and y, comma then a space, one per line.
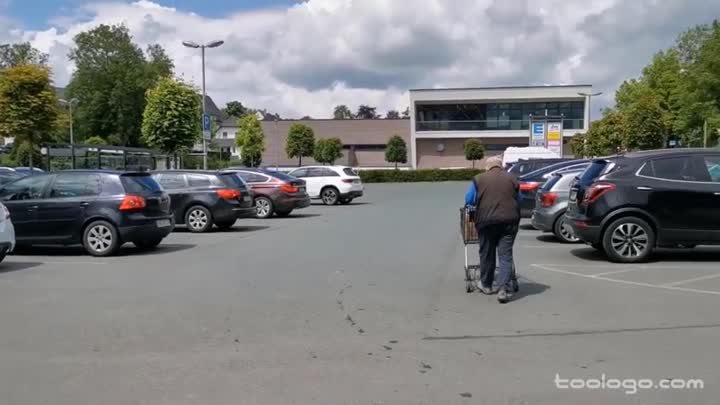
392, 115
365, 112
300, 142
646, 125
342, 112
171, 121
577, 145
328, 150
28, 106
396, 151
235, 109
251, 140
110, 81
95, 140
474, 150
13, 55
607, 135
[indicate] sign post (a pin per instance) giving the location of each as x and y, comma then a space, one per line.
537, 133
207, 127
555, 138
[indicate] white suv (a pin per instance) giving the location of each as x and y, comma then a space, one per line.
331, 184
7, 233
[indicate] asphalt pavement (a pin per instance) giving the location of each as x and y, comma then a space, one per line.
359, 304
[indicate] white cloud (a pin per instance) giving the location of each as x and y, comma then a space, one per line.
309, 57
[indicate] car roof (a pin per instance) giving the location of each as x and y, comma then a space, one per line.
319, 166
99, 171
668, 152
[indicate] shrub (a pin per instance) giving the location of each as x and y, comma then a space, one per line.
409, 176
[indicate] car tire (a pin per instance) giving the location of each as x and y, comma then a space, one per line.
2, 256
264, 207
563, 232
225, 225
628, 240
198, 219
283, 214
147, 244
346, 201
100, 239
329, 195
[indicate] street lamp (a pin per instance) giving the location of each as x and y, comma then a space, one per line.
589, 99
73, 102
195, 45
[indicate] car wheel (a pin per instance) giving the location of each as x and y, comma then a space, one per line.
198, 219
283, 214
628, 240
225, 225
263, 207
329, 196
147, 243
563, 231
101, 239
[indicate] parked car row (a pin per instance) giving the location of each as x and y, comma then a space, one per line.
630, 204
102, 209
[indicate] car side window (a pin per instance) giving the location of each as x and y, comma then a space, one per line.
712, 163
172, 181
674, 168
69, 185
198, 180
28, 188
315, 172
299, 173
327, 172
250, 177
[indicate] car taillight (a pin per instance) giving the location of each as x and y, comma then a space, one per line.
228, 193
349, 181
529, 186
132, 202
288, 188
548, 199
596, 191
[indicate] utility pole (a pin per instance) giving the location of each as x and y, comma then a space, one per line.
705, 135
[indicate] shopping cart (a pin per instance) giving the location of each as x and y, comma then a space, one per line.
469, 234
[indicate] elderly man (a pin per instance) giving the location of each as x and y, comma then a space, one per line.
497, 217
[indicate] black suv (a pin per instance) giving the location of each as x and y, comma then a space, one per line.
630, 204
531, 182
200, 199
100, 209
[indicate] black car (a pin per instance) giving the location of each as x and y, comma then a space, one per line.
99, 209
532, 182
200, 199
630, 204
274, 192
525, 166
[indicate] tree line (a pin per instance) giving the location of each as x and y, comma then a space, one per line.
675, 101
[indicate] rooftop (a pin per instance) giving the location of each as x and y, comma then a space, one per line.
505, 87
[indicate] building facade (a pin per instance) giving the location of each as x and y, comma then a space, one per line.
363, 141
443, 119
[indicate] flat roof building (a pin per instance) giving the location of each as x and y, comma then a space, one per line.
443, 119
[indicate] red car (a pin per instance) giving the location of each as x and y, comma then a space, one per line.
274, 192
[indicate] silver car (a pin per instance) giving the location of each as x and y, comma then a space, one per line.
551, 203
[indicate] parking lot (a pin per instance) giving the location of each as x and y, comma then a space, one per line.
352, 304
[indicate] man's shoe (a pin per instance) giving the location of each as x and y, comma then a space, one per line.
503, 296
486, 290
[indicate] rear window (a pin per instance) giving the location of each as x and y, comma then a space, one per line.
232, 180
350, 172
282, 176
550, 183
596, 168
139, 183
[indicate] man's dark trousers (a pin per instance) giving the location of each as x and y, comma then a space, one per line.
497, 238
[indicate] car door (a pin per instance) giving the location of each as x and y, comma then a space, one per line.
313, 180
63, 211
176, 186
22, 198
679, 196
712, 165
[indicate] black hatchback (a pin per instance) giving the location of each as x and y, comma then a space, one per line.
99, 209
630, 204
200, 199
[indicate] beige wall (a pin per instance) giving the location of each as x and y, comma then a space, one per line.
454, 153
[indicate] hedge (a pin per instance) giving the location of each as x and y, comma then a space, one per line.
407, 176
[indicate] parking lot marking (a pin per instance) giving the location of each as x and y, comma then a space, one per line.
607, 273
635, 283
692, 280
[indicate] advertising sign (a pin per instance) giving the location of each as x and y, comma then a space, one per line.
537, 134
554, 137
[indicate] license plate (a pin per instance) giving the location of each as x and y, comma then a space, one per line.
246, 198
356, 181
163, 223
573, 195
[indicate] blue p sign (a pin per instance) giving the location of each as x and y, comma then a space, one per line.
206, 122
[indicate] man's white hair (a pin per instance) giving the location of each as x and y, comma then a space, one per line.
493, 161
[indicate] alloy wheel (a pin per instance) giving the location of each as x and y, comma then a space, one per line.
100, 238
629, 240
262, 207
197, 219
566, 232
329, 196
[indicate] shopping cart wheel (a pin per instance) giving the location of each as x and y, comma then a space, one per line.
469, 280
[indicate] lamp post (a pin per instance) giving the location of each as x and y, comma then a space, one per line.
589, 99
279, 145
73, 102
213, 44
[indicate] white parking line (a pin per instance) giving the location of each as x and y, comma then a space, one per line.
692, 280
635, 283
607, 273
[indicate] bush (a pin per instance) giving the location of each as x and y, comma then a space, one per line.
409, 176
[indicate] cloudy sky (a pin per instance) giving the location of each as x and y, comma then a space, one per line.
303, 57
